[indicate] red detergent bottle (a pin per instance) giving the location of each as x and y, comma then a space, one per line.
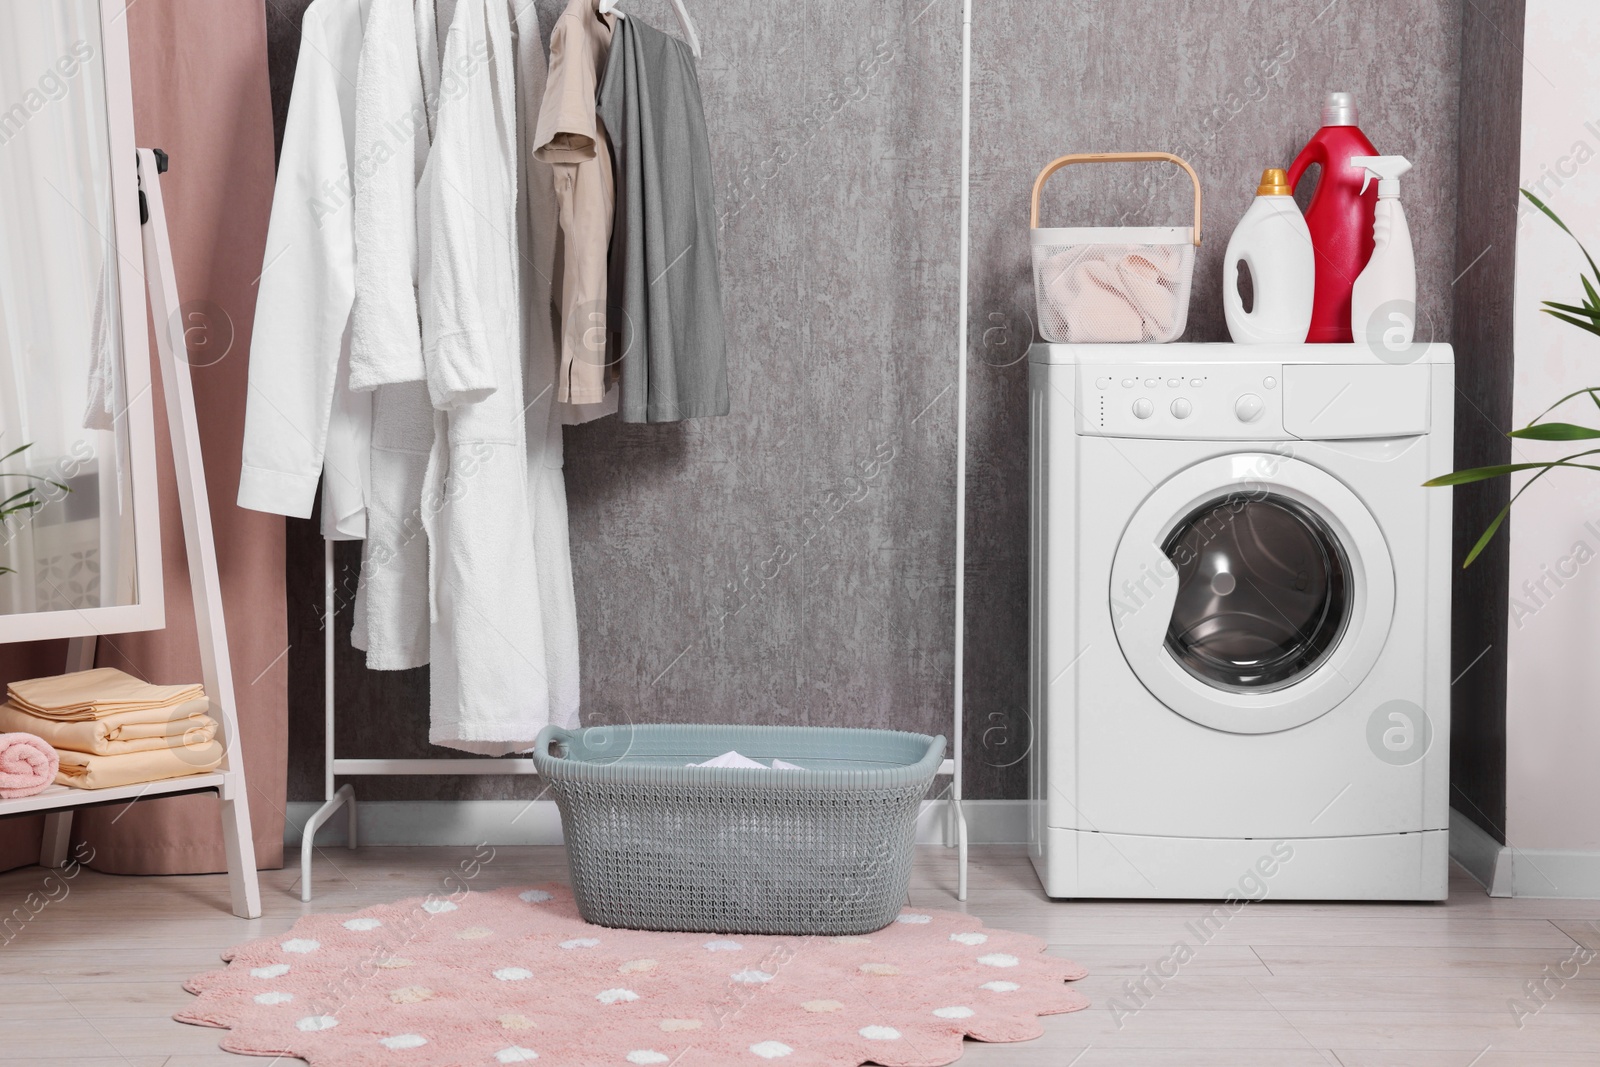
1340, 216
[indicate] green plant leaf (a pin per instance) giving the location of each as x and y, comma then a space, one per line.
1556, 431
1488, 535
16, 451
1500, 470
1593, 393
1592, 327
1585, 317
1586, 312
1483, 474
1557, 220
1499, 520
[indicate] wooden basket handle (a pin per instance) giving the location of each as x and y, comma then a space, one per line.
1115, 157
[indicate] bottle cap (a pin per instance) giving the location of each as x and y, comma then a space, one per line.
1274, 182
1339, 110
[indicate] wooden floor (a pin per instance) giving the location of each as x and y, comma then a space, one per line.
93, 978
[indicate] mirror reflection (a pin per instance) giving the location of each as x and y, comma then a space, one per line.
66, 532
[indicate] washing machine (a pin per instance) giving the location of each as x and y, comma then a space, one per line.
1240, 621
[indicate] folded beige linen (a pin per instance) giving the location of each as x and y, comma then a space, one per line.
96, 694
82, 770
105, 738
145, 722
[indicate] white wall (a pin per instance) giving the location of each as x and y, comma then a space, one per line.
1553, 698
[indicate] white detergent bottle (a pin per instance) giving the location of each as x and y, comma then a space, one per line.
1273, 242
1383, 304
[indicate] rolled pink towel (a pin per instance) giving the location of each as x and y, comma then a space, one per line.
27, 766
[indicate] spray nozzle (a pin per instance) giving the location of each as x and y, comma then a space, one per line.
1386, 169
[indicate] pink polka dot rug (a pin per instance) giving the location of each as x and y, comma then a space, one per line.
516, 976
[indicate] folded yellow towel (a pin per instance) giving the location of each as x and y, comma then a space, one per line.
82, 770
111, 736
148, 722
89, 695
156, 722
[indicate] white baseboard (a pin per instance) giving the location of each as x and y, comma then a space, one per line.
1554, 873
537, 822
1503, 871
1480, 855
1508, 871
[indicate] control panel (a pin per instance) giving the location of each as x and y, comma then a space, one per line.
1193, 401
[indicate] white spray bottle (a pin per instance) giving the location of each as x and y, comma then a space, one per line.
1383, 304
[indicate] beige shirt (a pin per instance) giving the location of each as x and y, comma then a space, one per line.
571, 138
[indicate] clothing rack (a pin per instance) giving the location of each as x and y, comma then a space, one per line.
956, 825
344, 796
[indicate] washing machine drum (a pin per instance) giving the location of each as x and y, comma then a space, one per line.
1252, 593
1263, 592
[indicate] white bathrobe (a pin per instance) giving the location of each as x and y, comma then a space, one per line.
394, 116
392, 137
504, 645
301, 419
539, 223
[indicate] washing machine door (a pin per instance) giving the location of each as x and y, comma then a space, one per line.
1252, 593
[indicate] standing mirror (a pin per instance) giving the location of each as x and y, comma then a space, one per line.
79, 540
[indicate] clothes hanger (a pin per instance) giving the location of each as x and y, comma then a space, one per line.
609, 7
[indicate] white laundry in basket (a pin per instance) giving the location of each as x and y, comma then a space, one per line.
733, 759
1109, 293
1113, 284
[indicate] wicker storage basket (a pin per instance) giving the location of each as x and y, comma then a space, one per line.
654, 844
1113, 284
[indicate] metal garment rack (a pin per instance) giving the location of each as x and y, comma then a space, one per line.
956, 826
344, 796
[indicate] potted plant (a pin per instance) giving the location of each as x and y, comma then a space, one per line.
1586, 317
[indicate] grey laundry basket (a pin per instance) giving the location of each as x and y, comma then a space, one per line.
654, 844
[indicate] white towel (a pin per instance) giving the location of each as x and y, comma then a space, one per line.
735, 760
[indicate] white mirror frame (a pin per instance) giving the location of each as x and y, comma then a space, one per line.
150, 611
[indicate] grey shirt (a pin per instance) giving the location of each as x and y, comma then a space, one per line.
665, 300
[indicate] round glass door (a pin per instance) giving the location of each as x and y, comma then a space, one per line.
1251, 592
1263, 592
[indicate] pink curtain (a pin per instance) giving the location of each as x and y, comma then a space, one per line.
201, 93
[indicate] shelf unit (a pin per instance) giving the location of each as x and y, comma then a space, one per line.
228, 781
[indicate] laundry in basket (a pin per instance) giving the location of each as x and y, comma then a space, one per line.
1113, 284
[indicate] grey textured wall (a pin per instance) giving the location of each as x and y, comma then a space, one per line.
1486, 260
835, 133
